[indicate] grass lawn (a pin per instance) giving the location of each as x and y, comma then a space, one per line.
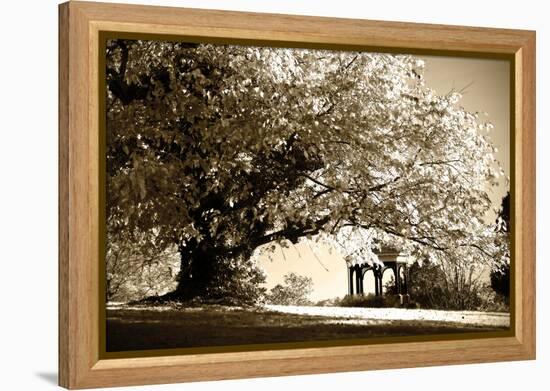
141, 329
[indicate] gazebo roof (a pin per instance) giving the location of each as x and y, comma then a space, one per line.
386, 250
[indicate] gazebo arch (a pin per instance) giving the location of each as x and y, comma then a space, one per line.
384, 274
390, 259
365, 272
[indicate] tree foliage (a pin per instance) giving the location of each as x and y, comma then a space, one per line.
220, 150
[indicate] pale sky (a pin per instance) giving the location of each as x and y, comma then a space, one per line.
487, 90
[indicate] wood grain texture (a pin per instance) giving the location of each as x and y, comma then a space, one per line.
64, 354
80, 24
528, 191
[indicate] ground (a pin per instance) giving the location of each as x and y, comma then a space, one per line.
162, 327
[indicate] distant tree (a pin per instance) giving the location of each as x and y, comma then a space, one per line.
500, 275
294, 291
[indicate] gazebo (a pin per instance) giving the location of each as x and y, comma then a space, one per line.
390, 259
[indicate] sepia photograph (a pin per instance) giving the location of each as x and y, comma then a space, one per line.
259, 195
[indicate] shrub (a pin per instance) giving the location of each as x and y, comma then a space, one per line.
447, 287
492, 301
132, 275
332, 302
370, 300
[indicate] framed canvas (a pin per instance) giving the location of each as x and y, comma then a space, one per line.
248, 195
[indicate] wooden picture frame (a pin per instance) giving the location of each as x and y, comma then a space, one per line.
80, 24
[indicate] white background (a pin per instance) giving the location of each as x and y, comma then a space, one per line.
28, 194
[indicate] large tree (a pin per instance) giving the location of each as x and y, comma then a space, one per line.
216, 150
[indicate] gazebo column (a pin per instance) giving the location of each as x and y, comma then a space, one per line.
376, 273
357, 280
350, 280
405, 280
397, 274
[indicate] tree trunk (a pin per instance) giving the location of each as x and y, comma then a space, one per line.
206, 274
197, 276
